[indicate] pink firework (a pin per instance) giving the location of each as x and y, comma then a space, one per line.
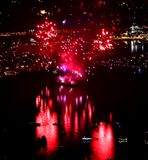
46, 32
71, 51
102, 41
75, 53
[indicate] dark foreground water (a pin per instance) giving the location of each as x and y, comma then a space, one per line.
105, 119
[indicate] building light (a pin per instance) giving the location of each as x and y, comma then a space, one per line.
43, 12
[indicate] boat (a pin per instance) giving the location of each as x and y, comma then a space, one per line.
86, 139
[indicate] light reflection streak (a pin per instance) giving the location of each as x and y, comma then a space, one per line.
90, 111
50, 103
110, 116
81, 99
136, 46
47, 118
76, 124
38, 101
76, 101
47, 129
83, 120
103, 145
76, 114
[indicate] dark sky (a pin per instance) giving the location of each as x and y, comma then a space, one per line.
118, 13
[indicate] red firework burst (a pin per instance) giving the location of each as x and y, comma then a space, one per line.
74, 54
46, 32
103, 41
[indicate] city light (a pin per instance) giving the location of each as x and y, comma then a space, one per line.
74, 79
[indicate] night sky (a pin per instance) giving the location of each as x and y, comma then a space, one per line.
16, 15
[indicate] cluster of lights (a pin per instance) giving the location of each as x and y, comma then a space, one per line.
46, 32
103, 41
70, 52
70, 75
73, 51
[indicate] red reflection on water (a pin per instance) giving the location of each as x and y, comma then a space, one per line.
81, 99
70, 108
67, 120
47, 129
103, 143
46, 118
76, 99
110, 117
38, 101
50, 103
76, 110
89, 111
83, 120
41, 103
47, 92
45, 104
76, 124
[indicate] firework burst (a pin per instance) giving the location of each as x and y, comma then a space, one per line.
102, 41
75, 55
46, 32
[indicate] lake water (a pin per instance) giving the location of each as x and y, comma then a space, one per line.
104, 119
